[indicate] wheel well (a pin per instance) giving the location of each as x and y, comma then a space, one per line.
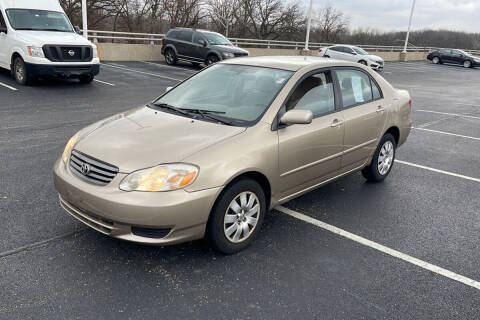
261, 179
213, 54
14, 56
395, 132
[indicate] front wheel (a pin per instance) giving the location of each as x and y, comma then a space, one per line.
363, 62
382, 161
20, 72
237, 216
212, 59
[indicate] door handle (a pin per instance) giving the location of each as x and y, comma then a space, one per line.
380, 109
336, 123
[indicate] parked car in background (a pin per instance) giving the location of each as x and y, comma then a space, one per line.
198, 46
38, 40
212, 155
454, 56
352, 53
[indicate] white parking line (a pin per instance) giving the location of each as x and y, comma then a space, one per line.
446, 133
167, 66
374, 245
438, 170
141, 72
107, 83
449, 114
8, 87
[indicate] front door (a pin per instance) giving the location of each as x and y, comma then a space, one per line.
309, 154
364, 115
3, 44
199, 47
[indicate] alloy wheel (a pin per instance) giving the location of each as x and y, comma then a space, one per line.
467, 64
385, 158
241, 217
19, 70
436, 60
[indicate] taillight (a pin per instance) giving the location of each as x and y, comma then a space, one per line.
320, 50
410, 102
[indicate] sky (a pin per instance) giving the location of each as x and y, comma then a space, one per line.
387, 15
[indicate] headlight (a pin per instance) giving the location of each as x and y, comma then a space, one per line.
35, 52
228, 55
161, 178
476, 60
96, 53
69, 147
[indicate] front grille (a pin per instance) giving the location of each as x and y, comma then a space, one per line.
91, 169
150, 233
57, 53
73, 69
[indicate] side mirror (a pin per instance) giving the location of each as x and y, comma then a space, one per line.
168, 89
77, 29
297, 117
353, 53
202, 42
3, 30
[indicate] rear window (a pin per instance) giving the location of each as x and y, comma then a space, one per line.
173, 34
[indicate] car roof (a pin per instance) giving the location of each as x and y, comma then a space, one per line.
291, 63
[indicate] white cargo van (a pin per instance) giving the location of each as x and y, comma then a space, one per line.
37, 40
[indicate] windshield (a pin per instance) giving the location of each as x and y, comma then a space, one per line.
216, 39
235, 93
40, 20
360, 51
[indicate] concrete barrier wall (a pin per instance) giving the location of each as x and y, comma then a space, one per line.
146, 52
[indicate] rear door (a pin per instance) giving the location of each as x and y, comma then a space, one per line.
334, 52
310, 154
184, 46
446, 56
363, 110
3, 43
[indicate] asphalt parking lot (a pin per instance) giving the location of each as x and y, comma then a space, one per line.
52, 266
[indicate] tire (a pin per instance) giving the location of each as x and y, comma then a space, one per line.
363, 62
195, 64
211, 59
375, 172
170, 57
226, 226
86, 79
326, 56
20, 72
467, 64
436, 60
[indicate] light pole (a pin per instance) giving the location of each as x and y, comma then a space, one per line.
409, 26
84, 18
309, 22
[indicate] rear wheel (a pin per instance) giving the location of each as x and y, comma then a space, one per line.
326, 56
170, 57
467, 64
436, 60
20, 72
237, 216
382, 161
86, 79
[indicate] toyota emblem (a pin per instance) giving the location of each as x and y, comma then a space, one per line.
85, 169
71, 53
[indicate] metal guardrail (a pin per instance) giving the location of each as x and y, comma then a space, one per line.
153, 39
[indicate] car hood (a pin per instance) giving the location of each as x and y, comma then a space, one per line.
40, 38
374, 57
231, 49
143, 138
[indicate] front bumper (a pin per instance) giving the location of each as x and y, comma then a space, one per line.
62, 71
160, 218
377, 65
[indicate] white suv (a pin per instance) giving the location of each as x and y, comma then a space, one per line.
38, 40
352, 53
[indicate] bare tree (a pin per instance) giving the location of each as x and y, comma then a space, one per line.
329, 24
222, 13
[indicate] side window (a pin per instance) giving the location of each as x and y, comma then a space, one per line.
335, 49
197, 37
186, 35
377, 94
355, 87
2, 21
314, 93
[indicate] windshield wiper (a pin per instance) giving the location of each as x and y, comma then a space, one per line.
208, 114
172, 108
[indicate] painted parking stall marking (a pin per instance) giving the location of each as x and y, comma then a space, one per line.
450, 114
141, 72
446, 133
374, 245
8, 87
437, 170
104, 82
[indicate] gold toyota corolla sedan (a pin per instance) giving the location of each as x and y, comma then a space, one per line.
212, 155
